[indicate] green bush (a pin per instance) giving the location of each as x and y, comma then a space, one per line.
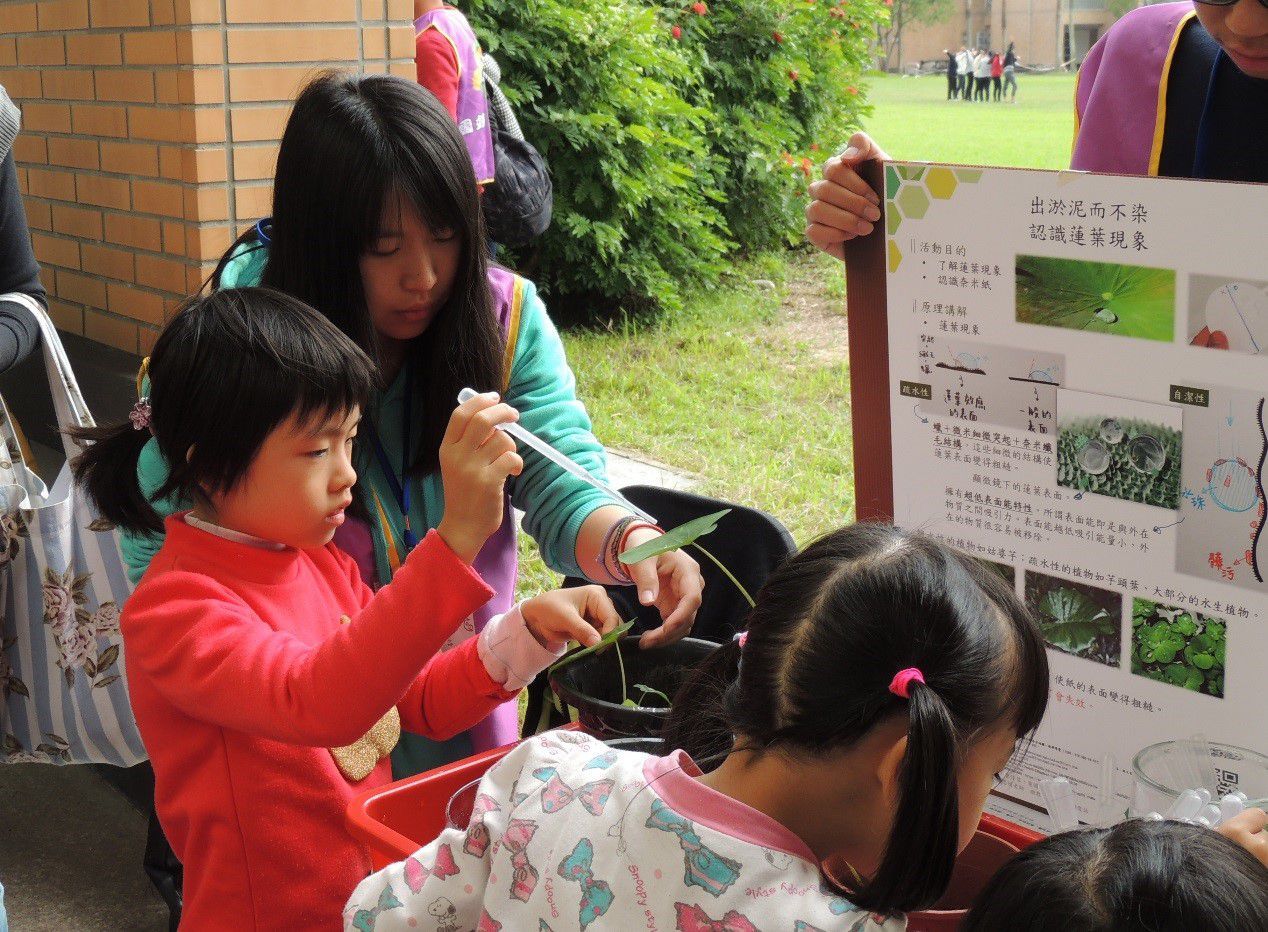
674, 136
782, 78
595, 85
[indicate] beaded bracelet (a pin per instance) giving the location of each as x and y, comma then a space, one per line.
610, 549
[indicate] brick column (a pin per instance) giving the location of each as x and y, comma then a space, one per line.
149, 134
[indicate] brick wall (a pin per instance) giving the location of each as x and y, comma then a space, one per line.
149, 134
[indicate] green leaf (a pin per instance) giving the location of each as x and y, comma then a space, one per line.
605, 642
676, 538
649, 691
1073, 621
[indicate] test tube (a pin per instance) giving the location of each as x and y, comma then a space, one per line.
1058, 796
1187, 805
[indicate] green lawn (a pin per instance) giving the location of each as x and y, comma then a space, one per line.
725, 392
912, 119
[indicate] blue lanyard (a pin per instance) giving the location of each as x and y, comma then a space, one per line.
400, 487
1202, 148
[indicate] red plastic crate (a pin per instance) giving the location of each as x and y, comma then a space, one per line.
396, 820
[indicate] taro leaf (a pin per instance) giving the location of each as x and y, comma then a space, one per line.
649, 691
606, 641
1075, 622
676, 538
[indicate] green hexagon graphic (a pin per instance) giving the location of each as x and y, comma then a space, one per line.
914, 201
893, 216
968, 175
892, 181
941, 183
895, 256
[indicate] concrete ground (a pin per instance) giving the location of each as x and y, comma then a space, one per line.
71, 840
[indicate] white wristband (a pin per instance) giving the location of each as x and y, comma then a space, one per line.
510, 653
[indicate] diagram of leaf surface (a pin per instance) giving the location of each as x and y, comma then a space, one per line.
1100, 297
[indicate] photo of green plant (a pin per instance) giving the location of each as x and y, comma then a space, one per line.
1178, 646
1099, 297
1076, 618
1119, 447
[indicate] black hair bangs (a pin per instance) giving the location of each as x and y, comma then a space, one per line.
232, 367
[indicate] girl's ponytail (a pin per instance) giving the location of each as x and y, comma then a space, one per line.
107, 471
921, 851
700, 720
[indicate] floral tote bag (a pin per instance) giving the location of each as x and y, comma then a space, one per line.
62, 582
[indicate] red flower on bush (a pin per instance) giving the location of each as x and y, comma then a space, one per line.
699, 9
676, 32
853, 90
777, 36
794, 74
807, 167
814, 147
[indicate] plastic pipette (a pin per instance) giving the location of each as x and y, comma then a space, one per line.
559, 459
1187, 805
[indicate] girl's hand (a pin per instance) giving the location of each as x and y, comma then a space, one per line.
672, 582
1247, 829
583, 614
843, 205
475, 460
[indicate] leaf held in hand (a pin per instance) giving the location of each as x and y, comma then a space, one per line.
675, 538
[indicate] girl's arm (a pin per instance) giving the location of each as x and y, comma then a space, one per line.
568, 519
437, 68
212, 657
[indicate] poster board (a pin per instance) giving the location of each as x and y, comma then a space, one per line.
1066, 375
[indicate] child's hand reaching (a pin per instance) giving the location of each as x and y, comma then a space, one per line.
1247, 829
475, 460
583, 614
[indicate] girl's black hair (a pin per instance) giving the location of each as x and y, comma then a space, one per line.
1135, 877
352, 145
831, 627
224, 373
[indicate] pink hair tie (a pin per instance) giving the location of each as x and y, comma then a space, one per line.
741, 639
900, 685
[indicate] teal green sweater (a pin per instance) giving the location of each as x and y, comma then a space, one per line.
541, 387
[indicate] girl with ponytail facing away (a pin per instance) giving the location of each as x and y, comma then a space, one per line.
882, 684
269, 683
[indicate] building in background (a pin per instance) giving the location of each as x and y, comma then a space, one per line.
150, 131
1041, 29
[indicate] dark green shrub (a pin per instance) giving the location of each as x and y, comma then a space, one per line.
782, 78
596, 85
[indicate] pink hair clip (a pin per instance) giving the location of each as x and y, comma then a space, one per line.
140, 414
900, 685
741, 638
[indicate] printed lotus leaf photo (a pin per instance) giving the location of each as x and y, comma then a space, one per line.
1179, 647
1135, 460
1099, 297
1077, 619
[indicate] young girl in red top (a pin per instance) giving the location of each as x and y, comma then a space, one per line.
268, 681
